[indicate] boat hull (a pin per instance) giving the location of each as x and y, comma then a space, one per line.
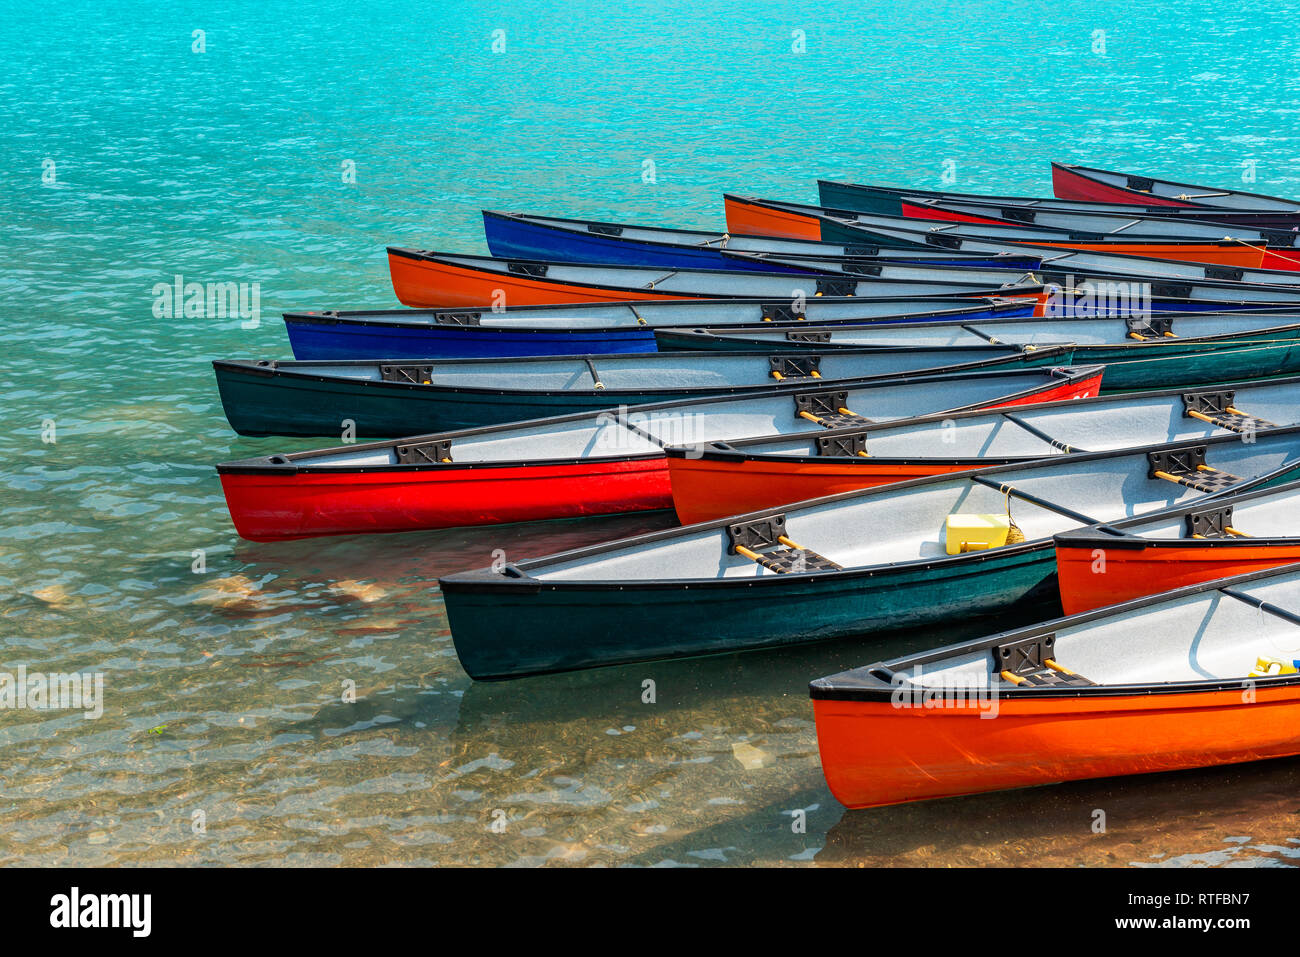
874, 753
1067, 184
266, 506
529, 628
312, 337
1095, 573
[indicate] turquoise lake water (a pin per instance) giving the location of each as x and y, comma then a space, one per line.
130, 158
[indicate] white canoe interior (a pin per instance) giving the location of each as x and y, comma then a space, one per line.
1021, 332
651, 372
1269, 513
894, 279
705, 312
1215, 635
1092, 425
705, 239
907, 522
635, 430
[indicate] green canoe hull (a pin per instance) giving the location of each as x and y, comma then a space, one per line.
528, 628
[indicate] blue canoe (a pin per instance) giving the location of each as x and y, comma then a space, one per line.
523, 236
596, 329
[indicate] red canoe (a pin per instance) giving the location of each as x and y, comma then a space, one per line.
575, 465
1089, 183
1243, 533
1187, 679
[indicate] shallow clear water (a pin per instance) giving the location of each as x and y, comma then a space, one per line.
223, 689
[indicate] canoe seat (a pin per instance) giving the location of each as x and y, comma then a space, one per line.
1028, 662
1216, 408
745, 538
795, 367
1187, 467
827, 409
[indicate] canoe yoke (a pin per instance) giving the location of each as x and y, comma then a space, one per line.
1150, 327
437, 452
827, 409
410, 374
1217, 408
744, 538
1030, 661
795, 367
1187, 467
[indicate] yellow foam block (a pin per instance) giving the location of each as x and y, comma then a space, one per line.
1266, 667
969, 533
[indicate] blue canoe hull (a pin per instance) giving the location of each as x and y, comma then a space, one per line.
345, 339
509, 238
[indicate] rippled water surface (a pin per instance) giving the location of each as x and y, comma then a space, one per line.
127, 158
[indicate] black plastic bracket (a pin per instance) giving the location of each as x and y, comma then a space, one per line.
943, 241
1208, 403
412, 374
528, 269
782, 312
458, 318
1210, 522
796, 367
862, 250
794, 335
1150, 325
1142, 184
1017, 214
1026, 656
425, 453
851, 444
1230, 273
1171, 290
603, 229
836, 287
861, 268
756, 534
1186, 461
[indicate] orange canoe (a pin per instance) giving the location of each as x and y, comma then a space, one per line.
1126, 560
1197, 677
